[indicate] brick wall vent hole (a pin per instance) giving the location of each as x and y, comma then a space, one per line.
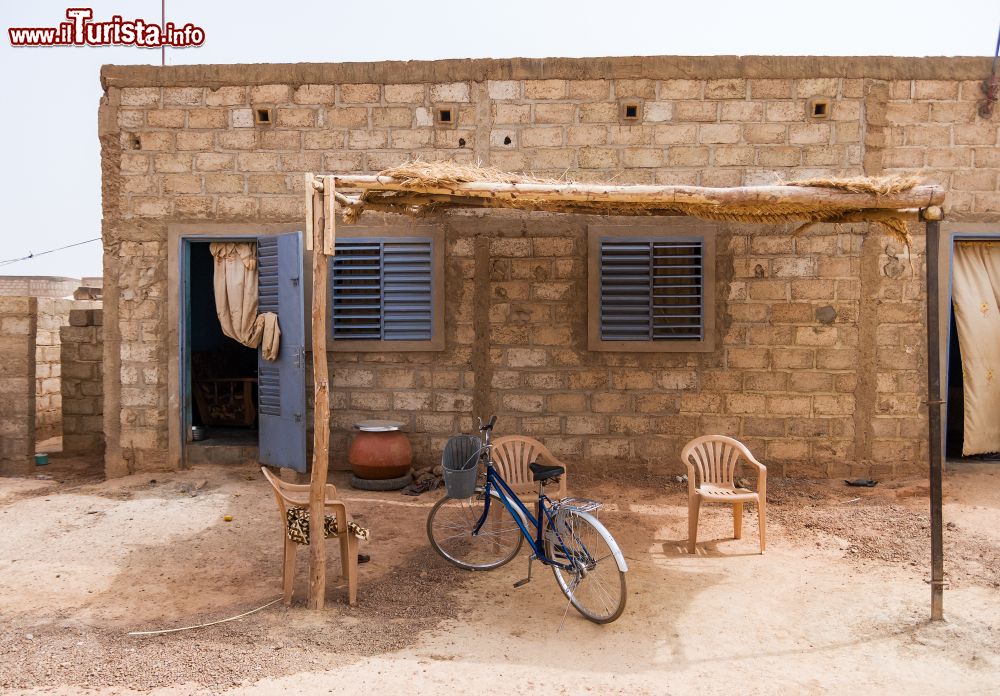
263, 116
818, 108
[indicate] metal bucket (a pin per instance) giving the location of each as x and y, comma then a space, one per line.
460, 462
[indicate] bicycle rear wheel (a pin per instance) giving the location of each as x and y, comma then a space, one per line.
450, 527
595, 586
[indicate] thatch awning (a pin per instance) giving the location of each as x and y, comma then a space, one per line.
418, 188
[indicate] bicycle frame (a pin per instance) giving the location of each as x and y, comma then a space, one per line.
510, 499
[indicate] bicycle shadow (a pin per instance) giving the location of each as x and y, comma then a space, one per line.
723, 608
660, 592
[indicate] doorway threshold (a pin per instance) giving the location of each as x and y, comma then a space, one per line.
222, 447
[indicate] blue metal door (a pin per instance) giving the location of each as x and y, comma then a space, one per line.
282, 382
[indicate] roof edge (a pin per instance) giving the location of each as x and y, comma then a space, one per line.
628, 67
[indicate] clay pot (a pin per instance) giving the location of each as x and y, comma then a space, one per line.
380, 455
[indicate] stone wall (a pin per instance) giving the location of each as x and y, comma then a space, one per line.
82, 354
53, 315
818, 367
819, 364
38, 286
17, 384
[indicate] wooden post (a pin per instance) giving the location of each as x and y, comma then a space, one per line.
321, 405
934, 404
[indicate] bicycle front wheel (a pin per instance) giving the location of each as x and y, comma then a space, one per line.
450, 527
595, 586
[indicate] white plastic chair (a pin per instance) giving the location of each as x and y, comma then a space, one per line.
711, 465
297, 495
513, 453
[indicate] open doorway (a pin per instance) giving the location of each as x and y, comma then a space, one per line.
223, 372
237, 404
955, 425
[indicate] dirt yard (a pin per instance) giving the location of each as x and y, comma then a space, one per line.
839, 602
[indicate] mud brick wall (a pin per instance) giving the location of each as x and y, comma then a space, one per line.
38, 286
82, 355
17, 384
819, 363
53, 315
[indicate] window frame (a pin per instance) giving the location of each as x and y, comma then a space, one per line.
388, 233
667, 228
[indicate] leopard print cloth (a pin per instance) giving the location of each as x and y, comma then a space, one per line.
298, 526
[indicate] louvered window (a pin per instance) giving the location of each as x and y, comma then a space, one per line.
651, 292
383, 289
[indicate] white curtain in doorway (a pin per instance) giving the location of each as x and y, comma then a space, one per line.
236, 298
976, 297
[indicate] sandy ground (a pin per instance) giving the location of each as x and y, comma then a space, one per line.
839, 601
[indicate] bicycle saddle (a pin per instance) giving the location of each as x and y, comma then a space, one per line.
540, 472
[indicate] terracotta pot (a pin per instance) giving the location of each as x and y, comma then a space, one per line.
384, 455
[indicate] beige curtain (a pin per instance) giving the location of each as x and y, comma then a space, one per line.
977, 314
236, 298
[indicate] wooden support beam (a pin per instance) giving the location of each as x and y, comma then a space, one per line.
396, 202
920, 196
309, 211
329, 216
321, 404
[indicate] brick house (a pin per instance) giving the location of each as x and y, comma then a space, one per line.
811, 347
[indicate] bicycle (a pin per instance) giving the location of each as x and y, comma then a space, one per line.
474, 534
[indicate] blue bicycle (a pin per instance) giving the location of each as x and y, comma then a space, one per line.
474, 533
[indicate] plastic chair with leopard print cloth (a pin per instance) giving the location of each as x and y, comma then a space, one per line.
293, 504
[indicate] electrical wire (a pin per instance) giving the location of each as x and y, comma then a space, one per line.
50, 251
996, 53
991, 86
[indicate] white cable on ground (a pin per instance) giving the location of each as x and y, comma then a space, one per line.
211, 623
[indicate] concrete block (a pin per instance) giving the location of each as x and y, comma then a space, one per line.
590, 90
226, 96
140, 96
404, 94
207, 118
166, 118
544, 89
16, 326
183, 96
360, 94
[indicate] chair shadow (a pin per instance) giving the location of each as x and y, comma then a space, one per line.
708, 548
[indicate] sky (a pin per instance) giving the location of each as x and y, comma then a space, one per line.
51, 187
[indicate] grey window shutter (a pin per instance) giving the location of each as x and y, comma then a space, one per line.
625, 282
269, 377
406, 291
356, 285
651, 289
382, 289
677, 290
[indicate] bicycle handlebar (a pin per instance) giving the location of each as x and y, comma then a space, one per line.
489, 426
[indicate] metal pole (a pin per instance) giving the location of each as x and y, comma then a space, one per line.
934, 404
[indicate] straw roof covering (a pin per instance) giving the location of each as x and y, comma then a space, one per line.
418, 188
